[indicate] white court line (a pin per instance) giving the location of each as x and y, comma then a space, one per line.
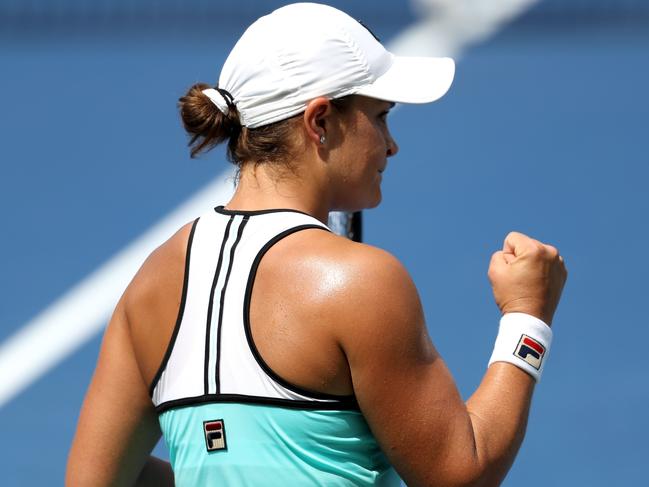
449, 26
82, 312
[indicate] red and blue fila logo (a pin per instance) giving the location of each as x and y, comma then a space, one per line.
531, 351
214, 435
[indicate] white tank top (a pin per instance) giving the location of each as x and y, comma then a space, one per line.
211, 356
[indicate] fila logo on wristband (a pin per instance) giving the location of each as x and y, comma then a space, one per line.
214, 435
530, 350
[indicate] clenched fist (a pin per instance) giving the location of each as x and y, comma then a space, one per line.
527, 276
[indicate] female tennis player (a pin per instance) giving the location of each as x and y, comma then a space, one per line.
268, 350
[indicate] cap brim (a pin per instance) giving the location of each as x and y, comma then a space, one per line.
413, 80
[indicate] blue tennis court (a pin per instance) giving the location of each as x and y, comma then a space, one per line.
544, 131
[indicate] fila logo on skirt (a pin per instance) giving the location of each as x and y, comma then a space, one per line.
214, 435
530, 350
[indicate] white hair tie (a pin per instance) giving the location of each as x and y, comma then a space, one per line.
218, 97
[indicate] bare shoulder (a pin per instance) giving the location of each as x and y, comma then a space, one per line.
165, 263
152, 300
344, 264
348, 281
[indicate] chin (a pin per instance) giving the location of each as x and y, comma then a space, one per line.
372, 202
367, 202
376, 202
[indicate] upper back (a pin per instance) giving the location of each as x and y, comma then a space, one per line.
251, 340
300, 292
267, 276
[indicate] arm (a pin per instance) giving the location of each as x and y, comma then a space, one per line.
118, 425
406, 391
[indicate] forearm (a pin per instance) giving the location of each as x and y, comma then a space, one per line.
527, 277
498, 413
156, 473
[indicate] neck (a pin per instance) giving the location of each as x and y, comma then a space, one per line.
260, 187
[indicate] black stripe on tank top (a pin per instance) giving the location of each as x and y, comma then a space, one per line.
225, 286
342, 405
211, 301
340, 399
181, 312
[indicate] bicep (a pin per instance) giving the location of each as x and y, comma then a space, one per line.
403, 387
118, 425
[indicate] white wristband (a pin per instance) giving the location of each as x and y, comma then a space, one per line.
523, 341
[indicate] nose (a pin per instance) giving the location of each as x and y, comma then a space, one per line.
393, 148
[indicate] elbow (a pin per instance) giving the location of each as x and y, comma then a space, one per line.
463, 479
471, 468
475, 472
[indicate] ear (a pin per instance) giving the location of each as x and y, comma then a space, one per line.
316, 118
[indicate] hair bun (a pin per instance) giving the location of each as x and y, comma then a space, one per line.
204, 122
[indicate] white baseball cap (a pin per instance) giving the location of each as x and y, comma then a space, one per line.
305, 50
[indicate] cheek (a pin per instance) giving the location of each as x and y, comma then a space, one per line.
374, 149
376, 157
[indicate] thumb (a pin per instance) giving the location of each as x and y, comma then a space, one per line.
509, 257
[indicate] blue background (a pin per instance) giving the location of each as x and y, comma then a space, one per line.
544, 131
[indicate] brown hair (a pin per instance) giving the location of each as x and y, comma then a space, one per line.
208, 126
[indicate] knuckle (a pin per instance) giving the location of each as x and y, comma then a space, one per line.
552, 251
515, 235
494, 270
536, 247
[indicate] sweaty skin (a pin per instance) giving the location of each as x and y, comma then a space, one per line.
329, 315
